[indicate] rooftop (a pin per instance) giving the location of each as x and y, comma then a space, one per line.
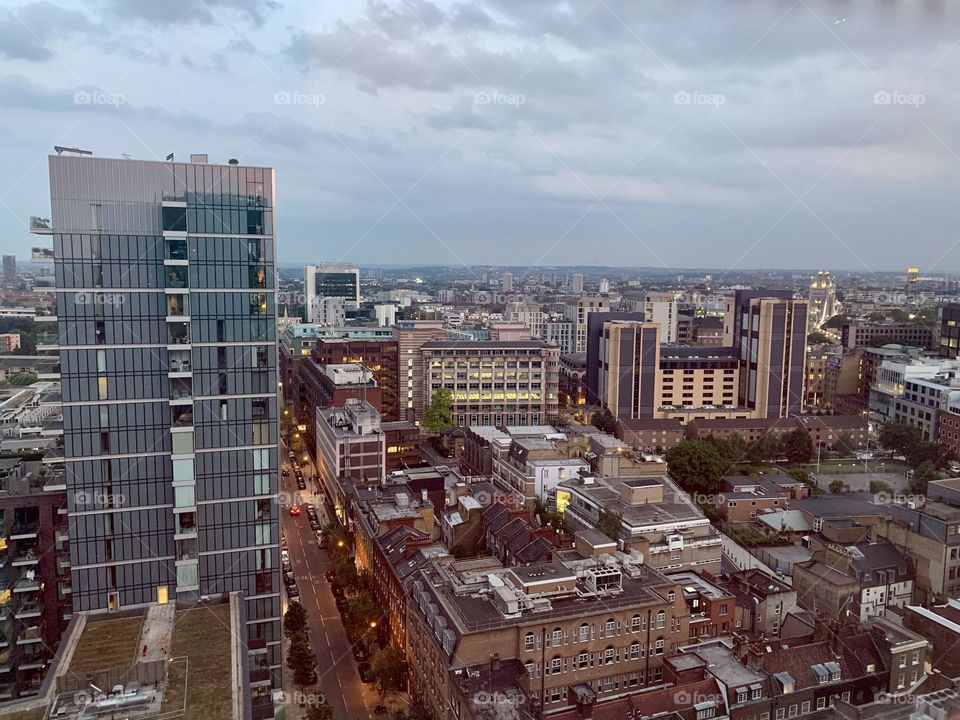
607, 493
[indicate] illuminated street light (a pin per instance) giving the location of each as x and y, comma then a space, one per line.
373, 623
339, 543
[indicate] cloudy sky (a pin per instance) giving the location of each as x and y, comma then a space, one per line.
722, 133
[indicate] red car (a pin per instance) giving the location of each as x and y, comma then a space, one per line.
294, 510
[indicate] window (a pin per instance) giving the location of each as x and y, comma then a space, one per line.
635, 651
528, 641
781, 713
755, 695
793, 711
671, 596
723, 609
557, 637
661, 618
555, 665
584, 632
659, 647
821, 703
184, 496
583, 660
608, 656
610, 628
634, 624
741, 696
706, 713
805, 708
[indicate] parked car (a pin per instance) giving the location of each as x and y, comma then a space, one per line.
295, 510
341, 603
359, 652
285, 555
337, 591
292, 455
364, 670
293, 591
285, 472
330, 575
289, 578
287, 567
301, 485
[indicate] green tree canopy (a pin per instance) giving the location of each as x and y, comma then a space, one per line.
603, 420
295, 619
301, 659
899, 437
389, 670
836, 487
440, 415
697, 465
797, 446
818, 338
322, 710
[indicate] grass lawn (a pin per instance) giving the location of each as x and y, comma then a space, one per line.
106, 644
203, 636
37, 714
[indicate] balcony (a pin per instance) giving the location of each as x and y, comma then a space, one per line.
178, 364
28, 609
26, 585
181, 391
182, 420
44, 284
26, 559
49, 371
178, 335
41, 255
48, 341
177, 278
30, 635
175, 252
178, 307
40, 225
32, 661
24, 530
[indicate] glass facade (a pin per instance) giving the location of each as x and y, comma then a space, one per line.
167, 317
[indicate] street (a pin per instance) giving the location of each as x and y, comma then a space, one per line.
338, 679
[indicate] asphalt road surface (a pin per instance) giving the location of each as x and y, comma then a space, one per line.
338, 679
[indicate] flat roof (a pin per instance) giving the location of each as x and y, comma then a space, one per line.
607, 493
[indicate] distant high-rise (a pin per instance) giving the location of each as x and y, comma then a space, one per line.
576, 283
506, 282
770, 336
166, 305
579, 310
823, 299
913, 275
330, 281
604, 286
661, 308
9, 269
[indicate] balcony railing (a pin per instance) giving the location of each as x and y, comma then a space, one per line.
23, 530
40, 225
41, 254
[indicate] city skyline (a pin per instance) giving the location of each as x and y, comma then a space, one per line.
760, 138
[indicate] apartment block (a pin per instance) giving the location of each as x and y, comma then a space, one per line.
579, 310
328, 386
661, 309
351, 447
413, 397
166, 308
580, 631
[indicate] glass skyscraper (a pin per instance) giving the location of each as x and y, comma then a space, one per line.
166, 307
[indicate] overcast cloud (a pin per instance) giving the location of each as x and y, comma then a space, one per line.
728, 134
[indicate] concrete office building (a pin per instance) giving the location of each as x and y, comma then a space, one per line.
562, 333
332, 280
576, 283
860, 334
506, 282
166, 303
949, 342
493, 382
412, 398
9, 269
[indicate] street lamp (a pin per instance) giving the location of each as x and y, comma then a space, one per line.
339, 543
373, 624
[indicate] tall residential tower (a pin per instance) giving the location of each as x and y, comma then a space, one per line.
166, 305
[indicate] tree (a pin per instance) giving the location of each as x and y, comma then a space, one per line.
836, 487
440, 415
925, 452
926, 472
389, 670
797, 446
361, 613
294, 620
845, 445
322, 710
818, 338
604, 420
765, 449
21, 379
697, 465
836, 322
302, 660
559, 421
899, 437
610, 523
